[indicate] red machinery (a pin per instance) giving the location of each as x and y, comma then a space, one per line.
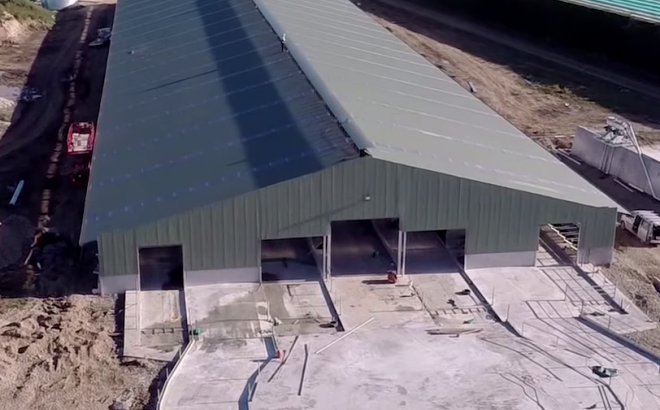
79, 145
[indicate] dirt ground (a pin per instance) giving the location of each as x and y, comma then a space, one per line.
59, 343
61, 354
541, 98
547, 102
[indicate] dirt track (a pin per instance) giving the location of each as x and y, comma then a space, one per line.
57, 351
543, 99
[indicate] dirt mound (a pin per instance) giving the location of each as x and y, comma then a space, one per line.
60, 354
16, 235
12, 31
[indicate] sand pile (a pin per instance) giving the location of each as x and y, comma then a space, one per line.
60, 354
11, 30
16, 236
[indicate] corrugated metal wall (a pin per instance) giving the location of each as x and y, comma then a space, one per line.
228, 235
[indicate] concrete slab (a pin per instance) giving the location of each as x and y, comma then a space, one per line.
406, 368
383, 367
300, 307
394, 363
434, 275
361, 297
153, 325
435, 291
215, 374
160, 309
554, 290
229, 311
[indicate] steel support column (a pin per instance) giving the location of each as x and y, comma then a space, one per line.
399, 252
403, 252
329, 243
324, 251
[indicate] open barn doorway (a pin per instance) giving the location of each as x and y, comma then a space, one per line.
161, 268
559, 244
427, 252
358, 248
454, 242
291, 259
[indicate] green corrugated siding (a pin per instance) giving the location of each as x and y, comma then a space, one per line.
227, 235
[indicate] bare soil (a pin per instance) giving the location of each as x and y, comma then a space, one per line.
548, 102
61, 354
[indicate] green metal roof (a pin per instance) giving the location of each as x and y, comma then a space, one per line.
200, 104
401, 108
644, 10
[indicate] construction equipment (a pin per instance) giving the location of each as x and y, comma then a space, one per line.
103, 36
80, 145
645, 225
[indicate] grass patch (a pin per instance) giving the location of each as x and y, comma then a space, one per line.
25, 10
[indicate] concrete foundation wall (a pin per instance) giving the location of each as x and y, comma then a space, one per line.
621, 162
596, 256
218, 276
110, 285
500, 260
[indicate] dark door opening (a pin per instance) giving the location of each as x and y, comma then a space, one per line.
161, 268
358, 249
426, 253
289, 260
562, 239
454, 242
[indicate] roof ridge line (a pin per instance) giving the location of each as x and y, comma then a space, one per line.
351, 130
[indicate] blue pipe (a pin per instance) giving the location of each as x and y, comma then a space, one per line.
17, 193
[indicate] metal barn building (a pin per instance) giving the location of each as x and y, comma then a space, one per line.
227, 123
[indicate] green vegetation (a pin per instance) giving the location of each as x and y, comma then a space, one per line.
26, 10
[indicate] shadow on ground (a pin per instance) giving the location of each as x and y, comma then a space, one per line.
590, 36
26, 153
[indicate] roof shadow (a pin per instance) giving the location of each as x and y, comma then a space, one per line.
267, 66
200, 107
630, 49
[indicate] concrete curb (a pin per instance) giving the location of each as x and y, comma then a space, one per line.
170, 374
324, 289
619, 339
